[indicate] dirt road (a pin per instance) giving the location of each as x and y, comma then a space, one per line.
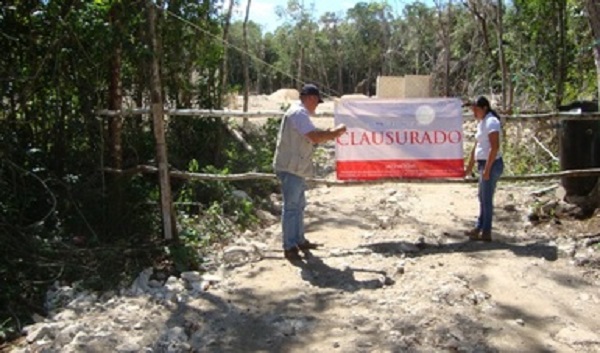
395, 274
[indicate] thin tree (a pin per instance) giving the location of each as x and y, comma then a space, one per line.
446, 40
168, 217
593, 10
502, 55
115, 96
246, 60
224, 66
115, 103
561, 68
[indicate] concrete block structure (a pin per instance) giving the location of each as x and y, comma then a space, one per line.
409, 86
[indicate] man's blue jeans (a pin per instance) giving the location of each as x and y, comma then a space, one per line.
486, 193
292, 216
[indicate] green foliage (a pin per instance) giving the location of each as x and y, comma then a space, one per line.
227, 213
7, 329
522, 155
548, 47
320, 159
199, 233
185, 254
523, 161
62, 218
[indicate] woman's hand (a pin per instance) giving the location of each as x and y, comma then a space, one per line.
469, 171
486, 174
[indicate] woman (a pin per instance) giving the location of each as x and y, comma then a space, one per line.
488, 155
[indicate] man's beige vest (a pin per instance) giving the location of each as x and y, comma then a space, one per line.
294, 151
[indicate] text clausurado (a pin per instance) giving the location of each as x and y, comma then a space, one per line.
399, 137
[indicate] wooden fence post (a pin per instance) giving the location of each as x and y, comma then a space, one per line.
166, 206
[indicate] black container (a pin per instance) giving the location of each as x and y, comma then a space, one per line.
579, 143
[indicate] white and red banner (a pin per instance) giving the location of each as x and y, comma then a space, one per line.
408, 138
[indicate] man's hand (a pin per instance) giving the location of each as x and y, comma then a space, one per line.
339, 130
319, 136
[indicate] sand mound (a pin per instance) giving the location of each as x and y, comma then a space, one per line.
354, 96
284, 95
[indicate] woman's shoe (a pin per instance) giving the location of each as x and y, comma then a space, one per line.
486, 235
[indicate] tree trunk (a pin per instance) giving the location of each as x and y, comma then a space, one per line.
299, 78
340, 76
339, 66
224, 66
481, 18
115, 128
323, 74
115, 95
593, 10
501, 54
447, 40
259, 68
246, 61
561, 68
168, 217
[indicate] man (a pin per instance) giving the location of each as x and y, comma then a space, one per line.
293, 163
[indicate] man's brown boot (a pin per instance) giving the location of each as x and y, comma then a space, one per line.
307, 245
292, 254
473, 234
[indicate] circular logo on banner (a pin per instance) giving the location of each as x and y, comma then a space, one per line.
425, 115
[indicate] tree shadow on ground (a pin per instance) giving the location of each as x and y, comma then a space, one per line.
242, 319
535, 249
341, 219
319, 274
335, 222
245, 321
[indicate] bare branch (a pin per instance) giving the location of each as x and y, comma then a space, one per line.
145, 169
52, 196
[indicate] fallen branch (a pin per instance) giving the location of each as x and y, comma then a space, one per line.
217, 177
203, 113
146, 169
45, 186
545, 148
238, 136
543, 191
212, 113
592, 241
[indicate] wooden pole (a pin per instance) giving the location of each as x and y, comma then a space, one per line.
169, 229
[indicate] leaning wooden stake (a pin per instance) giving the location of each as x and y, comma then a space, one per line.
159, 129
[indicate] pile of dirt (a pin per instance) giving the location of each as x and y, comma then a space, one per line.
285, 95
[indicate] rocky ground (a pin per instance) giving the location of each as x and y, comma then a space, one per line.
395, 274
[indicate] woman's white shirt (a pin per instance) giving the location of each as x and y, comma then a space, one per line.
485, 127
